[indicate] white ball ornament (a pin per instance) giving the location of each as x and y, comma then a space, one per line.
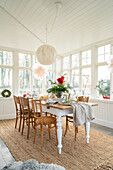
46, 54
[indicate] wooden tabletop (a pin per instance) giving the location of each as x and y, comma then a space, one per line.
65, 107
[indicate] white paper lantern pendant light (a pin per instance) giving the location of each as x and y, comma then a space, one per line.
46, 54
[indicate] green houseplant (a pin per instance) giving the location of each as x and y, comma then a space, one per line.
59, 87
104, 88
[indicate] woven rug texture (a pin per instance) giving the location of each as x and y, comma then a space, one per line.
76, 155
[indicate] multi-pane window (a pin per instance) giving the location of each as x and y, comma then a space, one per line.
75, 60
66, 64
6, 62
86, 81
6, 58
103, 53
75, 81
86, 57
103, 72
24, 60
24, 72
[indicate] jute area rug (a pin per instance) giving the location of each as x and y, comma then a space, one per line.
76, 155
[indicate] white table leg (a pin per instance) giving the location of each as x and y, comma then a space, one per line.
59, 132
87, 131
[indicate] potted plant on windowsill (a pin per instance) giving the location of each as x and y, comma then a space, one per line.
104, 88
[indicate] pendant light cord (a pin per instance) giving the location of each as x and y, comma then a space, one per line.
53, 21
22, 24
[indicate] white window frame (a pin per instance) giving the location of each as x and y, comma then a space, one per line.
7, 66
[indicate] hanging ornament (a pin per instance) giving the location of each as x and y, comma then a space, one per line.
39, 71
46, 54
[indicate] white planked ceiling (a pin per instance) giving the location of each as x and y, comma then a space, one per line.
78, 23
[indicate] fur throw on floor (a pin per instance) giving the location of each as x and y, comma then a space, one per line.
32, 164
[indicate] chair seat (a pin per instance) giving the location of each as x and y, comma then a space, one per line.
46, 120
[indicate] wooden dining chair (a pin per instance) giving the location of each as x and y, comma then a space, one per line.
43, 121
28, 116
69, 117
18, 111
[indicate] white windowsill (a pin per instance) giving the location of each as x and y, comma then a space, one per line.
102, 100
7, 98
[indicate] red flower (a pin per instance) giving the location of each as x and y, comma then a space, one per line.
62, 77
61, 80
24, 95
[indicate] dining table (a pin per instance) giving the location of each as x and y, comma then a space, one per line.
62, 110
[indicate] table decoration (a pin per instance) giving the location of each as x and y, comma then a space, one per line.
59, 87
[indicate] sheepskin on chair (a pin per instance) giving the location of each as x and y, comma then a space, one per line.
32, 164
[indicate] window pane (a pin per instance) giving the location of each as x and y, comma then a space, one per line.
107, 48
103, 53
86, 81
37, 84
86, 57
75, 81
50, 67
101, 58
24, 60
34, 60
101, 50
66, 75
5, 58
24, 80
104, 74
75, 60
49, 76
66, 62
5, 78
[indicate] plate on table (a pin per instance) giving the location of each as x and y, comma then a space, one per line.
68, 102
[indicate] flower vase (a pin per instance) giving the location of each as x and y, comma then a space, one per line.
59, 95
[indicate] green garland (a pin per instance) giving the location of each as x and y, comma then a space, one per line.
6, 93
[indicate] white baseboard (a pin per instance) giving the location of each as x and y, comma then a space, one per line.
11, 116
103, 123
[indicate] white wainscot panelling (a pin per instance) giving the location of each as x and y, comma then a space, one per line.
103, 112
7, 108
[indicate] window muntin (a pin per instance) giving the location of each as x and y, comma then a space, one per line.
6, 58
24, 60
75, 81
86, 81
66, 62
103, 53
86, 57
75, 60
24, 80
5, 79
